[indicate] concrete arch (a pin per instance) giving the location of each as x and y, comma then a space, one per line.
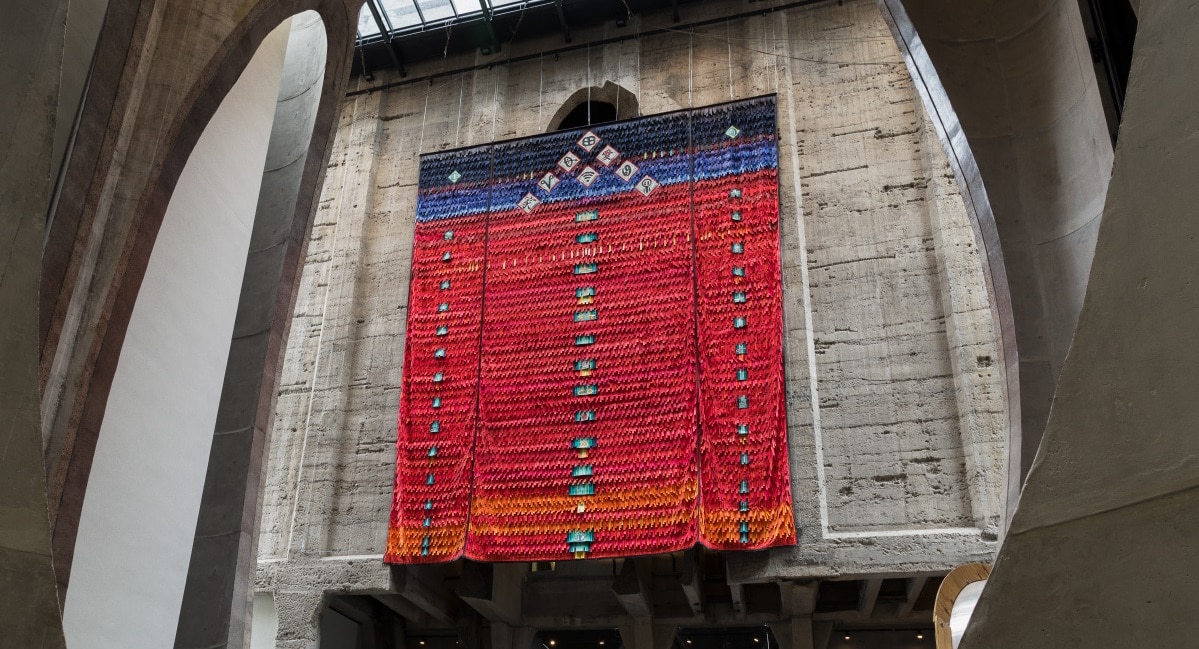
145, 111
623, 99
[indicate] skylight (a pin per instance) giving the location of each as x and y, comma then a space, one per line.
404, 16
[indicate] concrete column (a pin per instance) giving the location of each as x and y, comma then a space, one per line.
299, 619
795, 633
220, 578
1021, 81
1102, 548
644, 634
31, 44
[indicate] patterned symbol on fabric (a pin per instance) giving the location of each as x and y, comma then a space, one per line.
443, 307
589, 141
732, 132
739, 322
607, 156
580, 536
582, 443
738, 248
744, 487
743, 374
569, 162
581, 341
588, 176
586, 316
455, 176
429, 479
647, 185
744, 458
743, 506
585, 294
439, 352
428, 505
589, 237
735, 216
627, 170
436, 402
738, 297
585, 367
586, 269
449, 235
581, 471
528, 203
445, 285
742, 402
586, 489
432, 451
438, 377
548, 182
740, 350
586, 390
585, 415
589, 215
738, 271
443, 330
428, 522
435, 427
446, 256
742, 430
735, 192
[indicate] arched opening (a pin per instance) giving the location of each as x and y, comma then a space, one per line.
595, 105
150, 497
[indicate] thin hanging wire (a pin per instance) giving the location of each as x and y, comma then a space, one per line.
420, 147
589, 84
690, 69
495, 96
541, 91
729, 41
461, 95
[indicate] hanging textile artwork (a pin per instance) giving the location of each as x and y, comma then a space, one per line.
593, 360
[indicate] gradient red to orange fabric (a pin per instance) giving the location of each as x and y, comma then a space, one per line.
594, 349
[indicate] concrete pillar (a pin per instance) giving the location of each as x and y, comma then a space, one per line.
644, 634
795, 633
504, 636
1022, 83
31, 43
1102, 546
299, 619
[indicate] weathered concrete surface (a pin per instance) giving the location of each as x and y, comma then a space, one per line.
896, 408
31, 58
221, 575
1102, 546
1021, 80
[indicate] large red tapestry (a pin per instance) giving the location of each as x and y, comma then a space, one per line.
594, 348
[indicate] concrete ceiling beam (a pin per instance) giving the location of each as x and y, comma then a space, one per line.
632, 589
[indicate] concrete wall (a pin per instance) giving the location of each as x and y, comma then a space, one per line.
896, 408
142, 500
1102, 546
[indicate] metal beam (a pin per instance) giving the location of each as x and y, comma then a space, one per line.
392, 49
485, 6
674, 10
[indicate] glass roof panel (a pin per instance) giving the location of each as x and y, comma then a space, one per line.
401, 14
366, 23
436, 9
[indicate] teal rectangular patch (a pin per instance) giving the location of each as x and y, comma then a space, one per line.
738, 297
589, 237
739, 323
439, 352
586, 316
585, 489
742, 402
436, 402
738, 271
581, 471
738, 248
586, 390
585, 365
742, 374
443, 307
445, 285
449, 235
443, 330
735, 216
435, 427
585, 415
740, 349
588, 339
586, 291
438, 377
589, 215
582, 443
586, 269
580, 536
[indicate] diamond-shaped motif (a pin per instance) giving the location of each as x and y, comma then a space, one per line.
548, 182
455, 176
626, 170
589, 141
588, 176
733, 131
647, 185
569, 162
528, 203
607, 156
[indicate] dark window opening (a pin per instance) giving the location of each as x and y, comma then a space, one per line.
587, 114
